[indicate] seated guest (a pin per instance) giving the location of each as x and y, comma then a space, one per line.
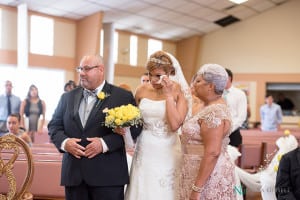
13, 126
288, 180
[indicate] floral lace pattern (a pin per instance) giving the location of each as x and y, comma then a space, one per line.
221, 183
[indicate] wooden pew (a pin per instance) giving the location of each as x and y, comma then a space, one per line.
46, 181
253, 156
255, 136
47, 170
259, 147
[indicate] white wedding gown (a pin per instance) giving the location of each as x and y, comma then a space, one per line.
156, 164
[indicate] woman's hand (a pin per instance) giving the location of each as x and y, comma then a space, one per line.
195, 195
120, 130
167, 86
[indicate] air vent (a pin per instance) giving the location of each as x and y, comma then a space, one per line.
227, 20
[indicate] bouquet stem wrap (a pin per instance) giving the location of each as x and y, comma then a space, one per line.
129, 143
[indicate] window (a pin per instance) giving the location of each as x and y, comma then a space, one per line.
41, 35
154, 45
133, 50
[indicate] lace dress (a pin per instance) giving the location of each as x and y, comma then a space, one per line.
156, 164
222, 181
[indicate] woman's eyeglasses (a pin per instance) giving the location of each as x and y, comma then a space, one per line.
85, 69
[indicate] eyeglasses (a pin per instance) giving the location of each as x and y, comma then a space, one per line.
85, 69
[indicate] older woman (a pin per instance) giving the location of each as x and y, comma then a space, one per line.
156, 163
208, 172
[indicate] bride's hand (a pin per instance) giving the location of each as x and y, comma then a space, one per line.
120, 130
167, 85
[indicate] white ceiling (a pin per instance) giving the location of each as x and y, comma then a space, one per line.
163, 19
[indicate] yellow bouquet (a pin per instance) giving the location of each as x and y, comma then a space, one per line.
123, 116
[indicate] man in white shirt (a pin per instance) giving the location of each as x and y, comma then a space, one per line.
237, 102
270, 115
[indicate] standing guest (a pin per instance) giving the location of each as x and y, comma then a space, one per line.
70, 85
156, 163
237, 102
145, 78
9, 103
94, 164
270, 115
287, 179
208, 172
33, 107
13, 126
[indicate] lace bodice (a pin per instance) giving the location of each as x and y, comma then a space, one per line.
211, 115
154, 116
221, 182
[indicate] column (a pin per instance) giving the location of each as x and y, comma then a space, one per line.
108, 51
22, 36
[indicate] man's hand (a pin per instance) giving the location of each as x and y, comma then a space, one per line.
74, 148
93, 148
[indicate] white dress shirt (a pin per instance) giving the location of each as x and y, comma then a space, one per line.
237, 101
90, 99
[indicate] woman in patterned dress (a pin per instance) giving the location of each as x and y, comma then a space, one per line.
208, 172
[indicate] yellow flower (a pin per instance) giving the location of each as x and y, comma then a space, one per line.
279, 157
276, 168
122, 116
101, 95
287, 132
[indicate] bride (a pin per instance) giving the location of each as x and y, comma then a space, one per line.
156, 163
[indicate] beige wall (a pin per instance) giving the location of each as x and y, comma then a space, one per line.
9, 29
124, 48
64, 43
124, 73
261, 49
65, 39
88, 35
266, 43
142, 51
187, 54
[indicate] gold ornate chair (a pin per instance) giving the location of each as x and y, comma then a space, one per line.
13, 151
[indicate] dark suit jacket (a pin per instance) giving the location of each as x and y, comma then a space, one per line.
105, 169
288, 176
